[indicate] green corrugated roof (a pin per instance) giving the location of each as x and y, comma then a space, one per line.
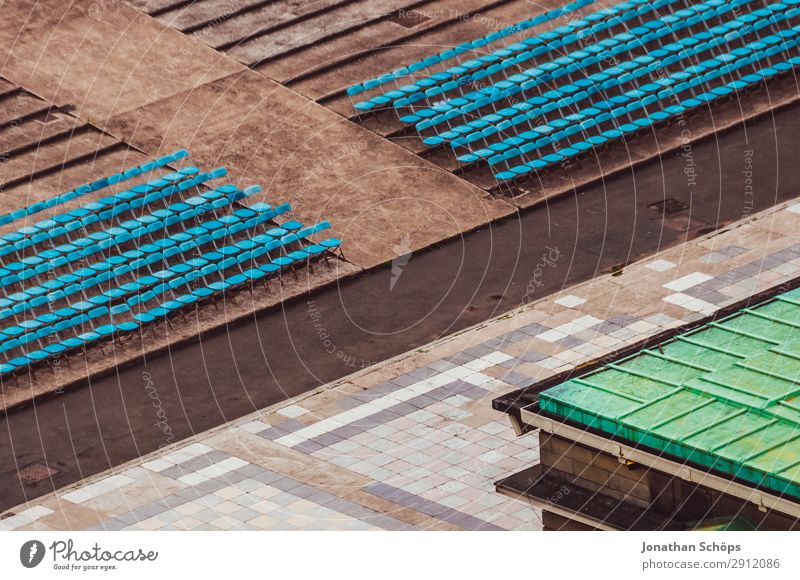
725, 395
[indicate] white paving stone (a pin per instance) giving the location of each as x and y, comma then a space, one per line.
688, 281
570, 301
661, 265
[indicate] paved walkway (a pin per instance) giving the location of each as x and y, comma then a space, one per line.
414, 443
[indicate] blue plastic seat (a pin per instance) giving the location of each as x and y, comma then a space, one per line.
144, 317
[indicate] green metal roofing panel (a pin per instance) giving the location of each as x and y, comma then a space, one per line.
725, 395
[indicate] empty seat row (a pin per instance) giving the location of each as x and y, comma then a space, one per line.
569, 95
146, 255
467, 46
112, 329
105, 209
518, 111
473, 70
110, 278
126, 231
592, 54
666, 88
703, 99
92, 187
121, 299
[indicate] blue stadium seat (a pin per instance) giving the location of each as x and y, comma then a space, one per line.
685, 105
163, 280
92, 187
546, 72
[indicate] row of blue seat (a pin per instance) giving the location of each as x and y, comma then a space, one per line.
147, 267
131, 260
123, 298
160, 312
666, 88
245, 277
82, 217
117, 235
704, 99
96, 206
566, 96
467, 46
473, 70
92, 187
543, 73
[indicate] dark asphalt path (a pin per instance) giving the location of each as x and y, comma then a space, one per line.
279, 354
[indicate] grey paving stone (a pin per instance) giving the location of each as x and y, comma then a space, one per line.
532, 356
245, 514
448, 391
712, 284
168, 517
206, 515
623, 320
267, 477
348, 431
460, 358
286, 483
771, 261
175, 472
189, 494
250, 470
389, 523
308, 447
112, 525
660, 319
232, 477
321, 498
128, 518
347, 403
249, 485
289, 425
211, 485
206, 528
517, 379
478, 351
476, 393
383, 417
715, 297
350, 508
494, 343
733, 250
517, 336
201, 461
399, 409
748, 270
403, 381
327, 439
270, 433
570, 341
606, 327
283, 499
146, 511
170, 501
424, 373
511, 363
533, 329
442, 365
421, 401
